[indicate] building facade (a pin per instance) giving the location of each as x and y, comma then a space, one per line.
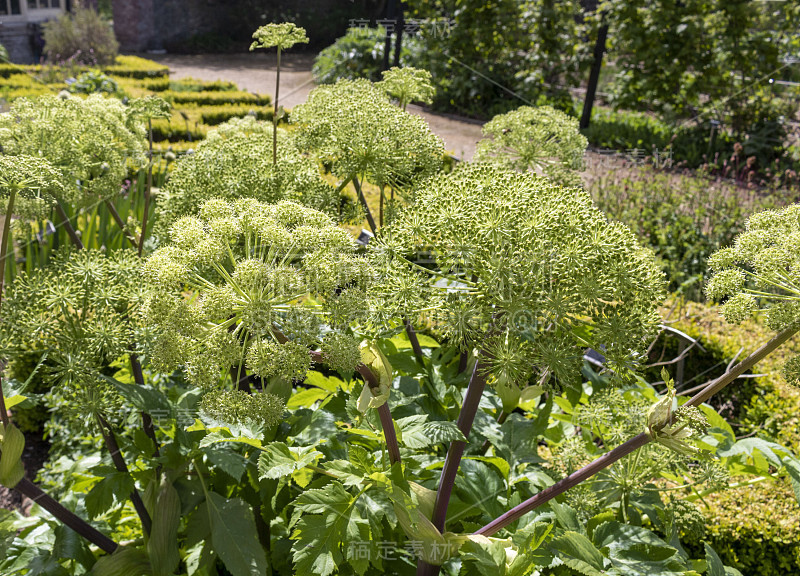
20, 26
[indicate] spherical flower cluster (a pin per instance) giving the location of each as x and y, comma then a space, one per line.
79, 312
238, 407
236, 162
761, 271
408, 84
529, 271
541, 139
281, 36
353, 126
35, 183
261, 297
90, 141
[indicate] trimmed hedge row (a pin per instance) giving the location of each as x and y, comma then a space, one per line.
754, 528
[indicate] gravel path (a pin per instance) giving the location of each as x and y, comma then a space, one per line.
256, 73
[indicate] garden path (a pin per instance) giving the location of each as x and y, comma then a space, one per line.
256, 73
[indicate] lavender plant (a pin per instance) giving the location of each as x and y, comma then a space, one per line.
542, 139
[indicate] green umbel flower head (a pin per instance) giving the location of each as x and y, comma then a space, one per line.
81, 313
281, 36
90, 141
266, 282
407, 85
238, 407
353, 126
529, 271
235, 161
35, 182
544, 140
148, 108
761, 272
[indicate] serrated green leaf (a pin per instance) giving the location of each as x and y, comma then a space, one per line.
233, 536
637, 550
101, 497
230, 462
12, 443
279, 460
162, 546
567, 517
578, 552
323, 526
792, 466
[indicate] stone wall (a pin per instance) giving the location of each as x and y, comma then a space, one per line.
16, 37
191, 25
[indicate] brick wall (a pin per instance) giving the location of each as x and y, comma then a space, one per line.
171, 24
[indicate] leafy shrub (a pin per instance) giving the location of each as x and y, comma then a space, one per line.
93, 81
359, 54
82, 35
215, 97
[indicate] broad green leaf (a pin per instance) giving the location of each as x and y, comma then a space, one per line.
123, 562
12, 443
233, 536
714, 565
200, 560
101, 497
324, 524
306, 398
481, 556
69, 544
279, 460
792, 465
144, 398
755, 448
567, 517
162, 546
633, 549
503, 466
328, 383
224, 435
229, 461
14, 400
417, 433
578, 552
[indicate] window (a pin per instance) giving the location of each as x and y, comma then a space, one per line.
38, 4
10, 7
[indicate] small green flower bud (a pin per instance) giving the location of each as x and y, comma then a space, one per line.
341, 351
739, 308
289, 361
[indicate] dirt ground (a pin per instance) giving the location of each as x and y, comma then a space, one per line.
256, 73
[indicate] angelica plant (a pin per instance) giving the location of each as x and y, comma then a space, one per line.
353, 126
270, 285
233, 162
91, 141
760, 273
542, 139
282, 37
408, 84
526, 271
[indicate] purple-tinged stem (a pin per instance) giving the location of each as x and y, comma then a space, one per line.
32, 491
73, 235
466, 417
634, 443
412, 337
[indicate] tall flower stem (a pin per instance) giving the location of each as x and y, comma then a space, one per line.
363, 200
275, 110
469, 408
412, 337
148, 187
118, 220
73, 235
37, 495
119, 463
634, 443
